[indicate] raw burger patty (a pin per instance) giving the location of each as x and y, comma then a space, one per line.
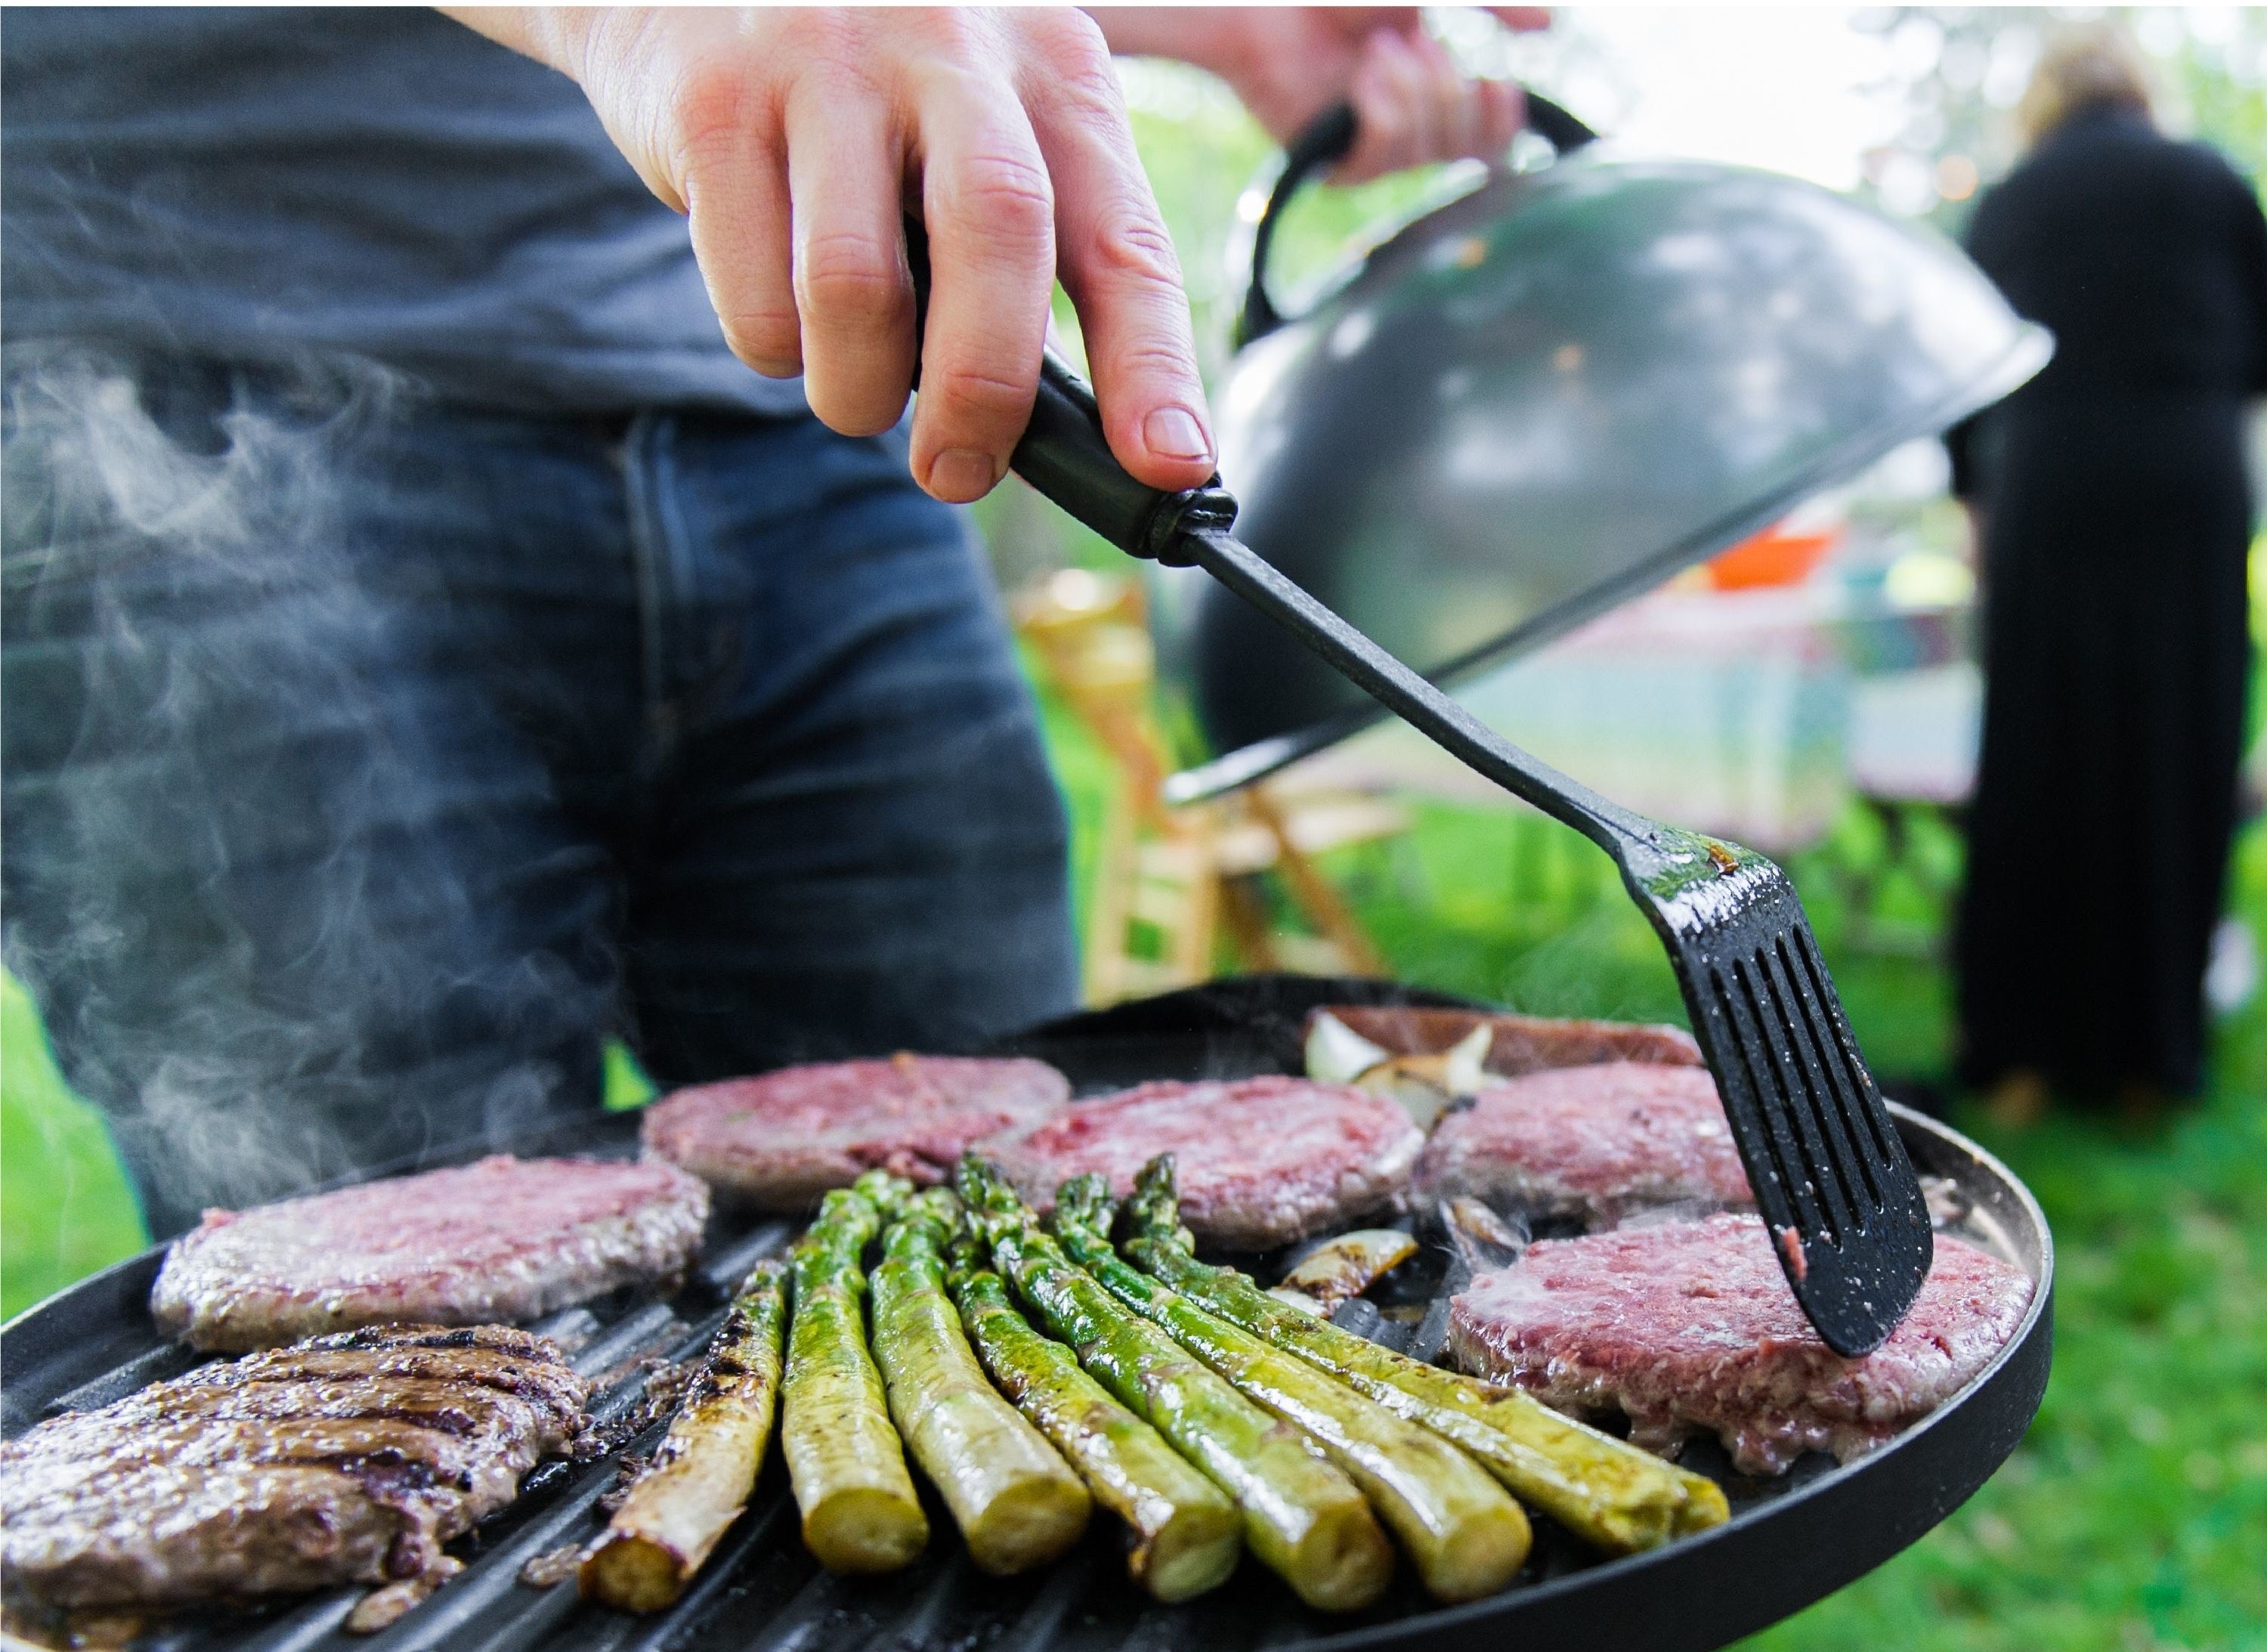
1259, 1161
348, 1461
502, 1239
1520, 1044
1689, 1326
780, 1141
1592, 1141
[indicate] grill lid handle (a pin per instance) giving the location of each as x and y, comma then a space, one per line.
1329, 137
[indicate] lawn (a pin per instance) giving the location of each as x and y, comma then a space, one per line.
2135, 1515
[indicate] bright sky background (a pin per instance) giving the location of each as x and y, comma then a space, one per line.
1797, 90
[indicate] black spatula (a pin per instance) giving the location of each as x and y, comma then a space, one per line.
1830, 1177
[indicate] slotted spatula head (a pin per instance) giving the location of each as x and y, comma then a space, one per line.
1831, 1176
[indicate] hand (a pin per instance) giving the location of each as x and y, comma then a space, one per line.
794, 140
1289, 64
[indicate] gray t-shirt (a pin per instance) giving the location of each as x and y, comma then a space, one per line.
245, 184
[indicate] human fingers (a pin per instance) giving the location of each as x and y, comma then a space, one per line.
691, 102
1453, 100
989, 207
1119, 265
852, 297
1502, 112
1393, 110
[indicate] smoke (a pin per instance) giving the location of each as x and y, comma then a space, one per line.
247, 874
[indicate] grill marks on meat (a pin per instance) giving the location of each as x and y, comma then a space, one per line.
252, 1479
1259, 1161
473, 1359
1689, 1326
504, 1238
779, 1141
1592, 1141
1520, 1044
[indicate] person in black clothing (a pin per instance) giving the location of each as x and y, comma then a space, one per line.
2114, 514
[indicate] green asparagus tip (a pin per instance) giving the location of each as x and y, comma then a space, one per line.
925, 1226
1156, 1207
1084, 1201
982, 1187
763, 1276
846, 1221
940, 1204
883, 1191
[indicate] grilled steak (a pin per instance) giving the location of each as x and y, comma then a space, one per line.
1689, 1326
1592, 1141
505, 1238
1519, 1044
469, 1358
777, 1142
1259, 1161
247, 1480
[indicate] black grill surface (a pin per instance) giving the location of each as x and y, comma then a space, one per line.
1791, 1540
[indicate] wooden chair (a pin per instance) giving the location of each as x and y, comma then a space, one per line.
1171, 885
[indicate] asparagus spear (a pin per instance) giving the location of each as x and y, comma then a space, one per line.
1186, 1534
699, 1480
1303, 1518
1466, 1537
859, 1510
1605, 1491
1016, 1503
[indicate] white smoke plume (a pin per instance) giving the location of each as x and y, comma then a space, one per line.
256, 924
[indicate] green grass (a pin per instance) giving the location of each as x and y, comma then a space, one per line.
2133, 1517
64, 1207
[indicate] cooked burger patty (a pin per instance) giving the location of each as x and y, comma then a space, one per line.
504, 1238
226, 1484
1592, 1141
1519, 1044
1689, 1326
777, 1142
1259, 1161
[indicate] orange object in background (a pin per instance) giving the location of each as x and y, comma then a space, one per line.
1779, 556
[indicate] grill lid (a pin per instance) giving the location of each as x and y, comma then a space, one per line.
1552, 393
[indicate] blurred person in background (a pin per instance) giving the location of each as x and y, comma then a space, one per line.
2113, 515
467, 591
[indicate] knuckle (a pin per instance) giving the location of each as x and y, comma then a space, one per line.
713, 106
1071, 43
1006, 197
850, 278
983, 395
1088, 92
815, 33
1156, 357
1136, 250
769, 340
947, 31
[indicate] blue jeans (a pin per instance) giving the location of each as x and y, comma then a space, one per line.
368, 762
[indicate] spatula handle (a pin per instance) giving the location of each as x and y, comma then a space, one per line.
1065, 455
1063, 452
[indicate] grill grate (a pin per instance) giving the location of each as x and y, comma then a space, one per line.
1791, 1540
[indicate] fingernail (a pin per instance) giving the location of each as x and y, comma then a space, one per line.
1174, 433
962, 473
